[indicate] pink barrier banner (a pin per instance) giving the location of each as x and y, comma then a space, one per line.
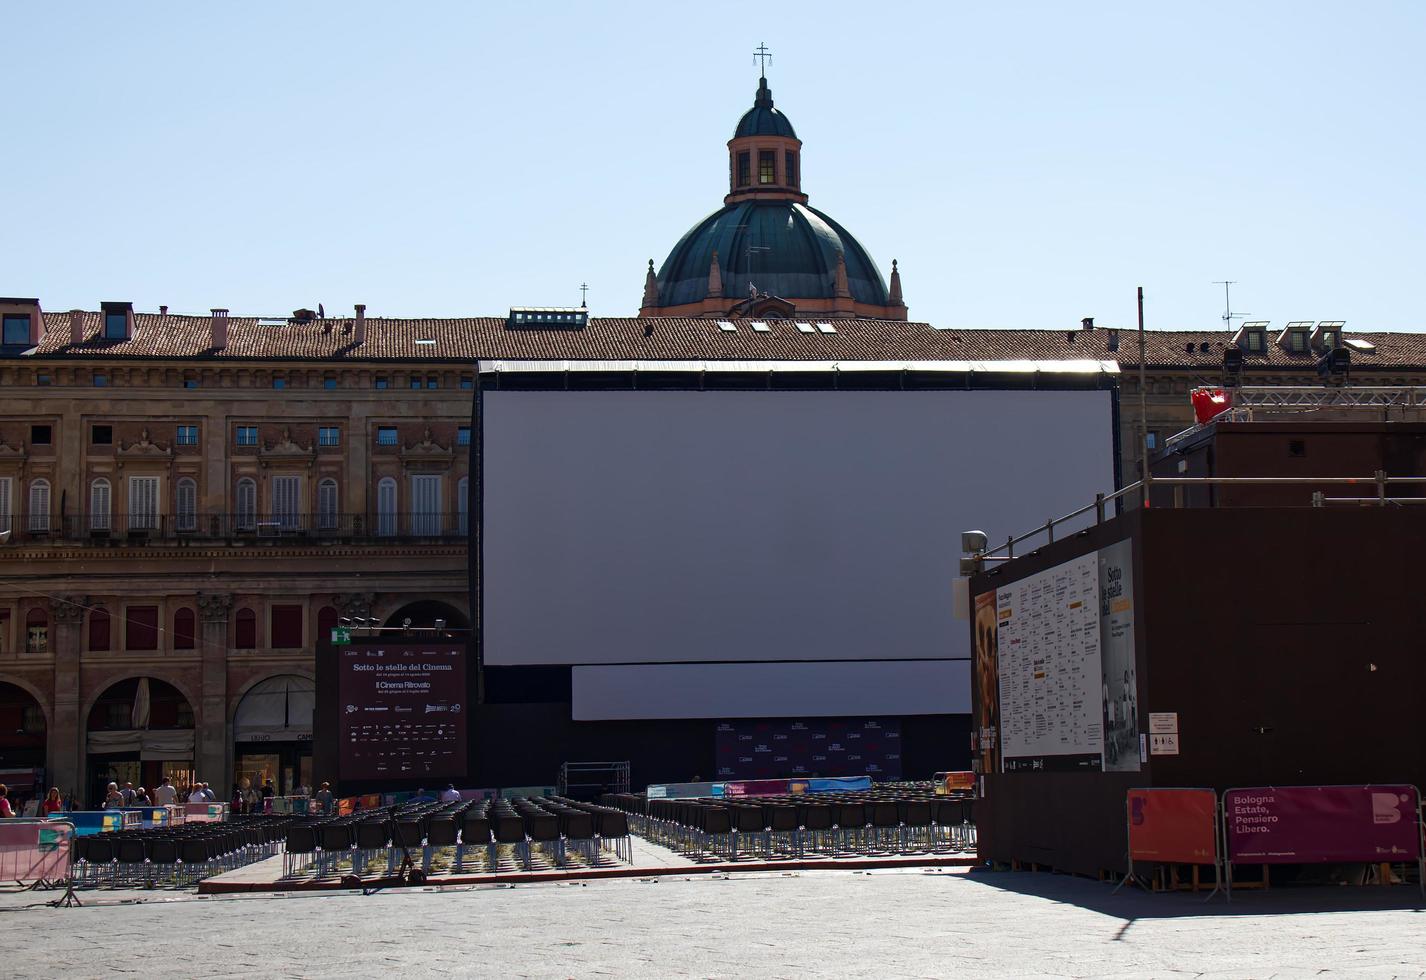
1314, 824
205, 812
756, 787
35, 850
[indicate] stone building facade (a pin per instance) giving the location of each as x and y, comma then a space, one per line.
194, 502
184, 532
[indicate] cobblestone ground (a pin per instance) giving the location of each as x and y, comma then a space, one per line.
882, 924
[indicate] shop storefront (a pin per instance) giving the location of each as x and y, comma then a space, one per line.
272, 735
139, 731
22, 744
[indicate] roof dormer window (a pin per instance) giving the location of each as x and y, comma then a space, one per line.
16, 330
116, 320
1295, 337
1328, 335
20, 324
1253, 337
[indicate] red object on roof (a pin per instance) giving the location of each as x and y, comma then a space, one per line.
1208, 403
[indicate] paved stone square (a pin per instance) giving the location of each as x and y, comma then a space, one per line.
935, 923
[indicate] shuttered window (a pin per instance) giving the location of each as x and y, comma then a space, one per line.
6, 502
327, 505
39, 505
286, 501
99, 504
426, 505
246, 505
185, 504
386, 507
143, 502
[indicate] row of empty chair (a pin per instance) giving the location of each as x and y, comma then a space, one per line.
865, 823
179, 855
459, 837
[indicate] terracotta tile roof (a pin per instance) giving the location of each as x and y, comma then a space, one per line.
630, 338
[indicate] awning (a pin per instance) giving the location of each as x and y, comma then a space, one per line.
151, 745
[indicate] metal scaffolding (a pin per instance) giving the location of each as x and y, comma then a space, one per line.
590, 779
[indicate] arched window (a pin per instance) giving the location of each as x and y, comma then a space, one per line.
246, 505
37, 631
327, 505
99, 500
326, 622
386, 507
246, 638
184, 629
185, 504
39, 505
98, 630
463, 503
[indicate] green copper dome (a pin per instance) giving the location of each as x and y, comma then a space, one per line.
762, 119
781, 247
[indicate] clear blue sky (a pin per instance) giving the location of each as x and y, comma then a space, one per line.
1028, 164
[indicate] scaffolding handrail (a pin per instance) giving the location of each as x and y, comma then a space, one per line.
1246, 398
1378, 479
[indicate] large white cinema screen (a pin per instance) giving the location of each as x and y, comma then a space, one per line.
648, 527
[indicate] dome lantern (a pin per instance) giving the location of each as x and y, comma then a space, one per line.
766, 253
764, 155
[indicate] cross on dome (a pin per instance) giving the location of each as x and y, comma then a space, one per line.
762, 54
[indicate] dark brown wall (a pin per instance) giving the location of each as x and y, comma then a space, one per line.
1297, 449
1073, 821
1289, 642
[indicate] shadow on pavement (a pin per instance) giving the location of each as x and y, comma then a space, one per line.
1134, 903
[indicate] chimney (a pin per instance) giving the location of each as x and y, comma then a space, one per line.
163, 311
1087, 323
76, 326
359, 336
220, 329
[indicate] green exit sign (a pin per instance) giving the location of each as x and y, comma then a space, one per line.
341, 635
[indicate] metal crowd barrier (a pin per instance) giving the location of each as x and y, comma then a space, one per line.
35, 853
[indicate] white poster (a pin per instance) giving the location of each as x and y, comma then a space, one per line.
1121, 699
1051, 681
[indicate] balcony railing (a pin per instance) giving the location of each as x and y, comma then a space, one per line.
138, 529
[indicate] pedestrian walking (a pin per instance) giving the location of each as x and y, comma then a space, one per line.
165, 794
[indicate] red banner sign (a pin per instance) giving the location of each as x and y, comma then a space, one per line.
1306, 824
1173, 826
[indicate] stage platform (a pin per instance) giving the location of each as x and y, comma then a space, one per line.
649, 860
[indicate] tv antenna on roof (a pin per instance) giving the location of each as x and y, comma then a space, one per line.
1228, 315
583, 294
